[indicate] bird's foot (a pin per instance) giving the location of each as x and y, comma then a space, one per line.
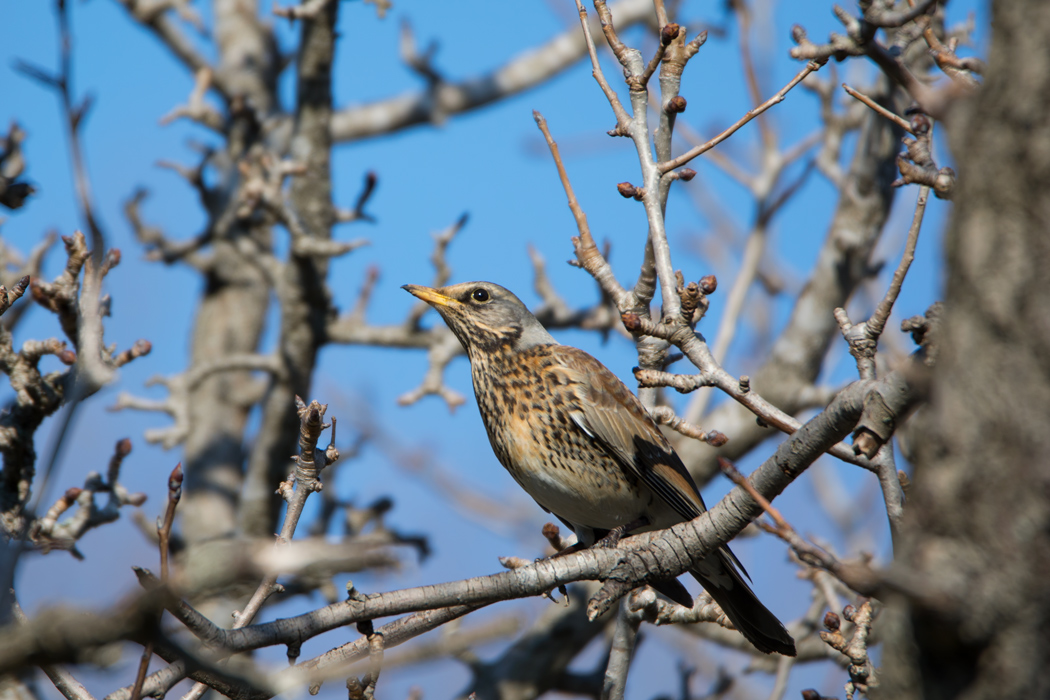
616, 534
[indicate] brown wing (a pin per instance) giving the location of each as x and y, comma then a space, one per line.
612, 415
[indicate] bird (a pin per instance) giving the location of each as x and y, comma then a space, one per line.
583, 446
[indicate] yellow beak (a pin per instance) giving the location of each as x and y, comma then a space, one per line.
430, 296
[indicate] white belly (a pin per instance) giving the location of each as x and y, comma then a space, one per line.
594, 501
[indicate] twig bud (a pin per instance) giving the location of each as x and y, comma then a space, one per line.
676, 105
669, 33
708, 284
832, 622
175, 479
920, 124
715, 438
627, 190
685, 175
691, 297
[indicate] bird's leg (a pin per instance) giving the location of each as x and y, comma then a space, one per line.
616, 534
571, 549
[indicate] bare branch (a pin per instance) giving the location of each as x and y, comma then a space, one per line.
899, 121
863, 337
528, 69
196, 109
152, 14
587, 254
63, 680
308, 10
7, 298
49, 533
862, 672
13, 192
622, 118
681, 160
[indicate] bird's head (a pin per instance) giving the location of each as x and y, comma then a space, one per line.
485, 316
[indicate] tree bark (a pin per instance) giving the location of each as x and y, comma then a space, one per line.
977, 533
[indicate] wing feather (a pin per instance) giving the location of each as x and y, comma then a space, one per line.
608, 412
611, 414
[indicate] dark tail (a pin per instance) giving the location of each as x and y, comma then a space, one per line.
721, 579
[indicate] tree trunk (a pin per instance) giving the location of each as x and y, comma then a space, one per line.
978, 520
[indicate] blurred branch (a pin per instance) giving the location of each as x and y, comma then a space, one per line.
196, 109
304, 481
13, 192
64, 681
442, 99
181, 388
163, 541
625, 637
13, 267
61, 83
48, 533
7, 298
153, 15
540, 657
301, 289
69, 635
860, 41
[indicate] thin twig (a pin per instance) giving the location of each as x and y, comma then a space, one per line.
625, 637
751, 114
877, 322
743, 13
164, 538
587, 253
622, 118
899, 121
857, 575
7, 298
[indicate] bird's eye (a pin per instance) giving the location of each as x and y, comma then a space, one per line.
479, 295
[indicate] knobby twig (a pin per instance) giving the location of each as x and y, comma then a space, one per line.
302, 482
863, 337
863, 675
163, 537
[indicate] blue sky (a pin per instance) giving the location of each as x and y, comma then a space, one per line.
491, 164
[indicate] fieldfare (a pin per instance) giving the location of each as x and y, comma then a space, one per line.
583, 446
